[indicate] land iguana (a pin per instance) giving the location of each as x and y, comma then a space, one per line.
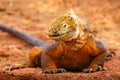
75, 48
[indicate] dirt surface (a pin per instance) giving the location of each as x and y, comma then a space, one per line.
34, 17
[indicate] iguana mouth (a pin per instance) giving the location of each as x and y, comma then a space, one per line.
57, 36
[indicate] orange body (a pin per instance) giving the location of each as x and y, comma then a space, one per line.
75, 48
62, 56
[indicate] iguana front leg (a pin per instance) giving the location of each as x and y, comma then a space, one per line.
98, 61
48, 65
96, 64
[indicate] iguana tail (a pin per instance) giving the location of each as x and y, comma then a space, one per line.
26, 37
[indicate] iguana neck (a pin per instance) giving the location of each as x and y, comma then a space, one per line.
76, 43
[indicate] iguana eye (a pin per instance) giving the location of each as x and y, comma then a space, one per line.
65, 25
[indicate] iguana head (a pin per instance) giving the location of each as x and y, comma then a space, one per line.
64, 27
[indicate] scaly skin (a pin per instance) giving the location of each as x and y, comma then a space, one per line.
74, 50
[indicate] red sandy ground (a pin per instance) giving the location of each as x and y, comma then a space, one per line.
34, 17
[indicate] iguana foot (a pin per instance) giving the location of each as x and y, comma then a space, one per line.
53, 71
13, 67
109, 55
94, 69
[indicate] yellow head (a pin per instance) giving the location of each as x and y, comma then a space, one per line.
65, 27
